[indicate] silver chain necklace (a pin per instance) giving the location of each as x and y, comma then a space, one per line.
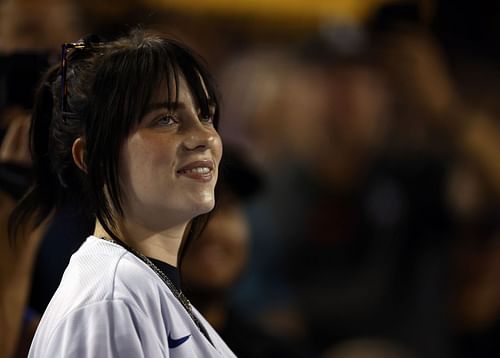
177, 293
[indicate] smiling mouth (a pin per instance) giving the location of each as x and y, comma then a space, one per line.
200, 171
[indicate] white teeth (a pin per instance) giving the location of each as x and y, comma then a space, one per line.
199, 170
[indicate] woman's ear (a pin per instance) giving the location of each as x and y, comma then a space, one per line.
78, 151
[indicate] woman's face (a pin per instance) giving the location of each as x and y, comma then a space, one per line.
169, 164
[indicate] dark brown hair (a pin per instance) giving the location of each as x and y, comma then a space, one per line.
109, 87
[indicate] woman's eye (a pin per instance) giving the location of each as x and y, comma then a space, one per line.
166, 120
208, 118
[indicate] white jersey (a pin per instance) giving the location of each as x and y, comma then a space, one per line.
111, 304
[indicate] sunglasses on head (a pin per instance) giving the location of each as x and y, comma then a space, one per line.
91, 41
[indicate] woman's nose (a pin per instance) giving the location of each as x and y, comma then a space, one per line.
198, 137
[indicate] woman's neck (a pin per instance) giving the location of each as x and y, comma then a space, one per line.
163, 245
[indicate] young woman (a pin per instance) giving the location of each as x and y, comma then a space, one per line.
128, 129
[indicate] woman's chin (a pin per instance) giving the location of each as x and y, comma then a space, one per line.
203, 207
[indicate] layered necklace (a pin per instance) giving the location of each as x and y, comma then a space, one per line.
168, 282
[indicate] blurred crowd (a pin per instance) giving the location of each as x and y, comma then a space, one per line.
358, 212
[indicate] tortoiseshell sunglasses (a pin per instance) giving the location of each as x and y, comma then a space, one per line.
90, 41
64, 60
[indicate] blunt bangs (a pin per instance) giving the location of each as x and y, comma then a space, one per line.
198, 80
173, 60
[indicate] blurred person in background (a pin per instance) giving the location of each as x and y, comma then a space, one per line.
259, 103
357, 201
319, 135
217, 259
15, 263
266, 90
